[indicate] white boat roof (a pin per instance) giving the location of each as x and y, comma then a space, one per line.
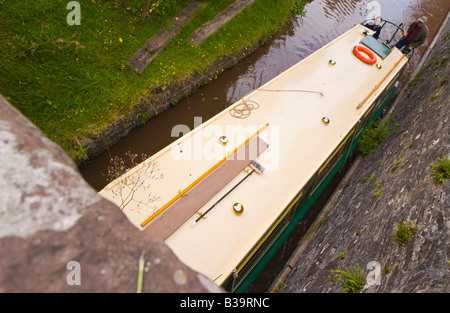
288, 111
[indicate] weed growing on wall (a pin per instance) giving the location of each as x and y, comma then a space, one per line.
352, 280
374, 135
441, 170
405, 232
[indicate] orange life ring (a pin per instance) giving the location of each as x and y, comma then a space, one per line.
369, 58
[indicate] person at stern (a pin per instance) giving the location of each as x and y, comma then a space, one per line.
415, 36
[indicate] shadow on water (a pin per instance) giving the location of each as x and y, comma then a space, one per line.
324, 21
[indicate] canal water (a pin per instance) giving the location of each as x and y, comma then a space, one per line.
322, 21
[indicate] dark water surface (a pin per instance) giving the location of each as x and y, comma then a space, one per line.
324, 21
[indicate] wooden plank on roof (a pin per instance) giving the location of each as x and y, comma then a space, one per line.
161, 227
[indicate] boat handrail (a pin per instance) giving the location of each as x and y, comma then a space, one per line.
398, 27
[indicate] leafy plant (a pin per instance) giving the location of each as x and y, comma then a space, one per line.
374, 135
352, 280
387, 269
377, 193
441, 171
280, 288
397, 163
299, 8
81, 152
378, 190
405, 232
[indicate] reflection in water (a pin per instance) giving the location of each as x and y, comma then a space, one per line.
338, 10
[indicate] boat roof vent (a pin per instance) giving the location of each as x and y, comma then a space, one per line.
376, 46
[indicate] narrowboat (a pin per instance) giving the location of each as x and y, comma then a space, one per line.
225, 195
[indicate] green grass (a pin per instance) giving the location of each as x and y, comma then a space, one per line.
73, 81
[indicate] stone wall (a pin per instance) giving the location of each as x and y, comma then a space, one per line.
391, 185
50, 217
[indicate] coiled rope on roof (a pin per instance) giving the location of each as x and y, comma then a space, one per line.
243, 110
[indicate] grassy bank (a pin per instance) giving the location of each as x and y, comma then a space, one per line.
72, 81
